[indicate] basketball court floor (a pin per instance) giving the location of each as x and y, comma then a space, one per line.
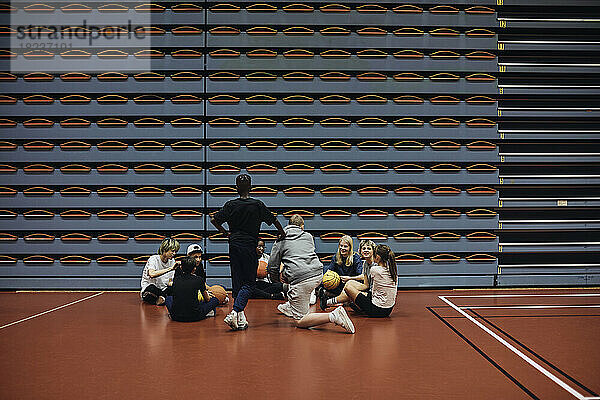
461, 344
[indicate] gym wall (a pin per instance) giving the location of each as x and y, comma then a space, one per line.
459, 133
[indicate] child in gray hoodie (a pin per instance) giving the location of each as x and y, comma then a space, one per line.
302, 268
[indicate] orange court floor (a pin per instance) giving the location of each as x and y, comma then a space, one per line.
437, 344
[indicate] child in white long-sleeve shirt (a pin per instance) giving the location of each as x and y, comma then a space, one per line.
158, 272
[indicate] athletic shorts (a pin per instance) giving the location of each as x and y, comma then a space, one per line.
365, 303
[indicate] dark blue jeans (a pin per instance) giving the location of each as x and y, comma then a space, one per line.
243, 261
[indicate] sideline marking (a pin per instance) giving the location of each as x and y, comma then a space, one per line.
49, 311
512, 348
73, 291
482, 353
56, 291
530, 295
536, 307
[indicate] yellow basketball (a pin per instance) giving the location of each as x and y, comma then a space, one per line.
331, 280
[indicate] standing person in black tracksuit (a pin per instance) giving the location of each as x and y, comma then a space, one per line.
244, 216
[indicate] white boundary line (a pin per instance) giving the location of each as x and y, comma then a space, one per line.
535, 365
532, 295
536, 307
49, 311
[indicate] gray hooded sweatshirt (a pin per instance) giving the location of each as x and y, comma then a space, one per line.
297, 253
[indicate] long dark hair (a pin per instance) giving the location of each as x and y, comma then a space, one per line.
388, 258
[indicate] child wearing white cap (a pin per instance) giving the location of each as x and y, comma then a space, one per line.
195, 251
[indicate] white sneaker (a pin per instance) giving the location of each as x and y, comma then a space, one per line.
284, 308
341, 318
211, 313
242, 321
231, 319
313, 298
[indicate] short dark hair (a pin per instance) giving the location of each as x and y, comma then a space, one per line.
243, 183
188, 264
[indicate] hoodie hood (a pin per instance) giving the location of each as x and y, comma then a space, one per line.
293, 232
297, 253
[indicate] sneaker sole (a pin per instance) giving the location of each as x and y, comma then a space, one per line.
289, 315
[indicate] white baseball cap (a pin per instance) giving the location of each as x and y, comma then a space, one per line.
194, 248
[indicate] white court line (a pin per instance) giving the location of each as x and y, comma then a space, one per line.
537, 307
531, 295
49, 311
512, 348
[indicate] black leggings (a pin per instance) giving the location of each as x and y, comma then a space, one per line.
196, 314
152, 292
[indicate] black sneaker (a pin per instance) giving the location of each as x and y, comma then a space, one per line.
322, 299
320, 292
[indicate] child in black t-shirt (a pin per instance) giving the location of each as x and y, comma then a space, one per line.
244, 216
265, 289
184, 305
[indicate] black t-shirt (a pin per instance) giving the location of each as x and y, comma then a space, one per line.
185, 295
244, 217
199, 271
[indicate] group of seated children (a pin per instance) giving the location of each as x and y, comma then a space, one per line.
368, 285
181, 286
368, 282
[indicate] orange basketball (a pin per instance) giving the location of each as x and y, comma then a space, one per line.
261, 272
219, 292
